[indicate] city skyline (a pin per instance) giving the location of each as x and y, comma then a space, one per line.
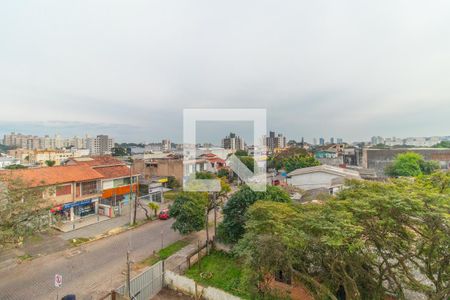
307, 63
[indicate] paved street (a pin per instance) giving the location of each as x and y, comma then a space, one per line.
89, 271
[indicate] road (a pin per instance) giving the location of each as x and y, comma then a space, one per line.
89, 271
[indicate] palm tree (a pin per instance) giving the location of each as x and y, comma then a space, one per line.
154, 206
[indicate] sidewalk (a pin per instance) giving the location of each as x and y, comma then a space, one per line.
51, 241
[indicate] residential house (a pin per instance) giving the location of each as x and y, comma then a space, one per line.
73, 191
116, 180
326, 178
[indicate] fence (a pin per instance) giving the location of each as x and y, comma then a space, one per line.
147, 284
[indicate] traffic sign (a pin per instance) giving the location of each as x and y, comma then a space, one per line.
58, 280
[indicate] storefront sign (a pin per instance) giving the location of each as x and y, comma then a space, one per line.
79, 203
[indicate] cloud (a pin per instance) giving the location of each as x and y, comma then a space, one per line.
321, 68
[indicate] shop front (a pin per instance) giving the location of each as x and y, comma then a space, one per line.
114, 201
76, 210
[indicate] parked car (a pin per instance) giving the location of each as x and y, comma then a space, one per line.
164, 214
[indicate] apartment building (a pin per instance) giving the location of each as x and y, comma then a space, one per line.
275, 141
39, 157
100, 145
233, 142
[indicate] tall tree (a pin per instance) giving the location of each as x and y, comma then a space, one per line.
410, 164
234, 211
374, 239
23, 210
191, 209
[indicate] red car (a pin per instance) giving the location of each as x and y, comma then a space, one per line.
164, 214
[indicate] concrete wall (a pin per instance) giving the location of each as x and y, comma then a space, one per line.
181, 283
378, 159
188, 286
311, 181
336, 161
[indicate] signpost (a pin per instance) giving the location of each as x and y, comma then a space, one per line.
58, 282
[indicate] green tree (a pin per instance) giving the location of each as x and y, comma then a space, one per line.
443, 144
154, 207
188, 209
234, 211
291, 159
373, 239
241, 153
119, 151
15, 167
172, 183
223, 173
23, 210
193, 215
410, 164
248, 161
50, 163
297, 162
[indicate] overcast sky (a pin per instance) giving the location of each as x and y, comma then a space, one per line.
348, 69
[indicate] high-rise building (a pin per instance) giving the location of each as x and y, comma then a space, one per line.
233, 142
100, 145
332, 140
166, 145
321, 141
275, 141
339, 140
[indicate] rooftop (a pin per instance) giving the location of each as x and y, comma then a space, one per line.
53, 175
326, 169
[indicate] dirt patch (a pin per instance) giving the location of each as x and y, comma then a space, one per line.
167, 294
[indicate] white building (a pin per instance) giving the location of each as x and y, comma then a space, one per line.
100, 145
217, 151
166, 145
321, 177
8, 161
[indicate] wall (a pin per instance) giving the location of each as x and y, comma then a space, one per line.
378, 159
312, 180
188, 286
336, 161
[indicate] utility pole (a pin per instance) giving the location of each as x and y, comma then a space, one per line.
207, 231
128, 291
136, 197
130, 195
215, 215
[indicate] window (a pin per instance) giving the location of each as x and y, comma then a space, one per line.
88, 188
64, 190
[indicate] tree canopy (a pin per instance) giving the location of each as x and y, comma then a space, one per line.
410, 164
189, 211
443, 144
234, 211
292, 158
374, 239
15, 167
189, 208
23, 210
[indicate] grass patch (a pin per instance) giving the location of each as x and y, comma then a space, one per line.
225, 273
162, 254
78, 241
170, 195
24, 257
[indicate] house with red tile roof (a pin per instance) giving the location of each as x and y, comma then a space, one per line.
73, 191
85, 186
116, 182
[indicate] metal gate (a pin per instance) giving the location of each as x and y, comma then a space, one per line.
147, 284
